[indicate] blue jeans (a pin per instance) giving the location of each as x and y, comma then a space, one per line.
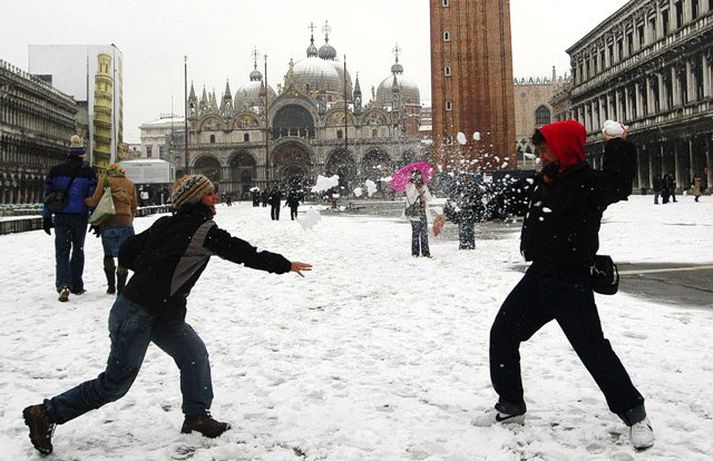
70, 232
419, 234
131, 329
113, 237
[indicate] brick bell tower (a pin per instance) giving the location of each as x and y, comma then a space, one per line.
472, 85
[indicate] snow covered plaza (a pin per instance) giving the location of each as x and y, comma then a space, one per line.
374, 355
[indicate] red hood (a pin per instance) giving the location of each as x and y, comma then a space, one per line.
566, 140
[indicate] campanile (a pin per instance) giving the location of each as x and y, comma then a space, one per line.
472, 84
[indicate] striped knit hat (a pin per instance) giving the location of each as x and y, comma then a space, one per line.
190, 189
115, 168
76, 147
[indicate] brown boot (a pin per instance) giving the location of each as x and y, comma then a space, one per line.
205, 424
41, 427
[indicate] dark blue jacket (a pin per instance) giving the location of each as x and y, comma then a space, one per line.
83, 186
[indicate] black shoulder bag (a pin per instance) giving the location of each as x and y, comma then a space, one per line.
57, 200
604, 275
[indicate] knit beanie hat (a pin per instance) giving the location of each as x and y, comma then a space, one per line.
566, 140
190, 189
76, 147
115, 168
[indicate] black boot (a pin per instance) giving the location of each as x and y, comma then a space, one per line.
121, 275
109, 269
111, 285
205, 424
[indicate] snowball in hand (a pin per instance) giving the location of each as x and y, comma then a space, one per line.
310, 219
460, 137
613, 128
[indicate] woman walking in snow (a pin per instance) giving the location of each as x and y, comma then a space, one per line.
418, 212
119, 227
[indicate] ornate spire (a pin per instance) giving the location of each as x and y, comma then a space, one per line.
255, 75
357, 87
312, 50
357, 96
192, 94
227, 93
397, 68
327, 51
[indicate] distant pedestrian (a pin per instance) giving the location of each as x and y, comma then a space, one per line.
697, 181
464, 207
115, 231
255, 194
167, 260
76, 181
264, 197
658, 188
229, 199
144, 196
419, 213
293, 201
275, 200
670, 184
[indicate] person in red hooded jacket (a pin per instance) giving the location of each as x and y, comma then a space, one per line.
562, 207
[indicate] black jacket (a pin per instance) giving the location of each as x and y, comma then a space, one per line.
170, 256
560, 231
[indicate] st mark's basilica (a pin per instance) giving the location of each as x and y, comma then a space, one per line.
312, 130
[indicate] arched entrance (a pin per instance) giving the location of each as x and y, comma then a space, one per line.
376, 164
340, 162
293, 120
243, 171
291, 163
209, 167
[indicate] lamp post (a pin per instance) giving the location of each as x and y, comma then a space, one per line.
267, 128
185, 112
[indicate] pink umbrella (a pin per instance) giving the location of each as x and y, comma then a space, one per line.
401, 178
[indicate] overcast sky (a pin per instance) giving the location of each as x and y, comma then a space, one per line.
218, 37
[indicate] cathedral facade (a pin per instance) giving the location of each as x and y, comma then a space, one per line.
315, 123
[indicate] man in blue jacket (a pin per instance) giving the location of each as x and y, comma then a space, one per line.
71, 221
167, 260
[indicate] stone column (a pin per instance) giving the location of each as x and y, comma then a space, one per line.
662, 92
651, 169
706, 75
690, 83
676, 166
691, 162
637, 98
709, 162
639, 175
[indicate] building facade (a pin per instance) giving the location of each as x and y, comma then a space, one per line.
316, 123
92, 74
36, 122
471, 83
157, 136
649, 65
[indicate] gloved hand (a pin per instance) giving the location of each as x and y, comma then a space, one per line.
47, 225
94, 229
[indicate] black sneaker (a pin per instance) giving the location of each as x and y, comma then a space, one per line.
41, 427
81, 291
205, 424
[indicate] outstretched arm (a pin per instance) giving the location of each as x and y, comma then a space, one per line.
513, 200
239, 251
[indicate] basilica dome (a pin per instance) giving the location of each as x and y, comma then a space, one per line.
410, 93
317, 73
248, 95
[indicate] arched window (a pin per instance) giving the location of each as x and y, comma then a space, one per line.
246, 137
340, 134
212, 139
374, 133
542, 116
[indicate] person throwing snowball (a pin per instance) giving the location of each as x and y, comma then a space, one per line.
167, 261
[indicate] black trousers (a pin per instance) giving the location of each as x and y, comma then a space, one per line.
567, 298
293, 213
275, 212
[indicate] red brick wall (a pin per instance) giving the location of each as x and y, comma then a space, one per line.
481, 86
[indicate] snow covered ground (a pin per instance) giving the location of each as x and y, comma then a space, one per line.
374, 356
